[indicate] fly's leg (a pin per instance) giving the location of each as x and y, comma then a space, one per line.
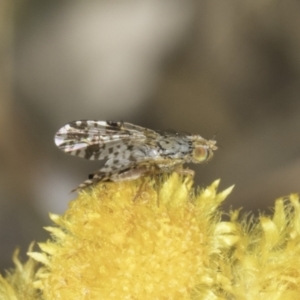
185, 172
131, 174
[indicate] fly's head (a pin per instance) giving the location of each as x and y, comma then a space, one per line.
202, 149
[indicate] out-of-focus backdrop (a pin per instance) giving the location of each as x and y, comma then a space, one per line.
229, 69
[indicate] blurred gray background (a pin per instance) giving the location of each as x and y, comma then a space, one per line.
229, 69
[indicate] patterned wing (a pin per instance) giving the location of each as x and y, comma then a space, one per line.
97, 140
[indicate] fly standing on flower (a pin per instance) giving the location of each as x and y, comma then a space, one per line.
130, 151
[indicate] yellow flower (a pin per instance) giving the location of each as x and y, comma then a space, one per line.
159, 239
134, 240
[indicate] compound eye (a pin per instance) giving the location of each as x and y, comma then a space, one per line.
200, 154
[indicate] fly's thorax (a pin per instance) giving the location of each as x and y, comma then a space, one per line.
175, 147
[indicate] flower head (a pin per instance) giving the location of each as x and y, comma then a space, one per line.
133, 241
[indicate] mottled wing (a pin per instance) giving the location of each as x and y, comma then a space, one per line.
97, 140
